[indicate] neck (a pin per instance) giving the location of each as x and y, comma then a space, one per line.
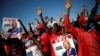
86, 29
68, 49
14, 28
55, 32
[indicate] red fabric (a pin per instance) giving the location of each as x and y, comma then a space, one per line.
53, 36
40, 26
29, 36
97, 17
87, 40
45, 42
82, 19
7, 48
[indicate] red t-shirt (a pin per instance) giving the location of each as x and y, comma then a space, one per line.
45, 42
88, 44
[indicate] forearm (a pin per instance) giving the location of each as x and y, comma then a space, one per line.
43, 22
68, 11
37, 43
31, 29
66, 18
24, 27
37, 20
68, 25
67, 21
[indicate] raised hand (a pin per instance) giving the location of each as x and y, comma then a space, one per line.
84, 7
39, 11
68, 4
19, 21
60, 16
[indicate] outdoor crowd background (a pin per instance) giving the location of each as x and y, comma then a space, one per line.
50, 29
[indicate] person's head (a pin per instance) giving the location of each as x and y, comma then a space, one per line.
51, 19
55, 28
84, 22
14, 24
66, 44
50, 27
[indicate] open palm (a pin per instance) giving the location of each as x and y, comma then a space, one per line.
68, 4
39, 11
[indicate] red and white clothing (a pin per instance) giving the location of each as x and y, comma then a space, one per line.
88, 44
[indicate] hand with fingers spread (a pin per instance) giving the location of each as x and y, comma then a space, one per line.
68, 4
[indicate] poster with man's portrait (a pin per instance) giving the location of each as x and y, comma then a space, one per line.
11, 28
62, 44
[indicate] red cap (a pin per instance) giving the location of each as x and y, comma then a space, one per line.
97, 17
82, 19
40, 26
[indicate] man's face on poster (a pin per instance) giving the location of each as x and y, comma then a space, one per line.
66, 45
14, 24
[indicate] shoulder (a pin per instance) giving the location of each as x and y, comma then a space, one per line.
73, 48
73, 51
9, 30
64, 53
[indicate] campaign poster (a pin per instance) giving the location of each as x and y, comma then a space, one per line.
58, 45
7, 29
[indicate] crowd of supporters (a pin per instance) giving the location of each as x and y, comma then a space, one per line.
85, 31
